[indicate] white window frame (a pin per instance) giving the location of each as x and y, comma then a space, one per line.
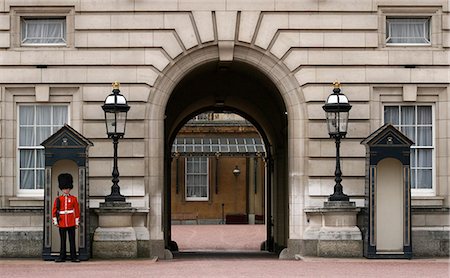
187, 198
422, 191
32, 192
426, 25
24, 21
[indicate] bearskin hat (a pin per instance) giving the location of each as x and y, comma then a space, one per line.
65, 181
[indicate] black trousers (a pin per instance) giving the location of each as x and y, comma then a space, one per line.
62, 235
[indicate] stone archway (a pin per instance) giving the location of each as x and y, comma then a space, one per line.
287, 142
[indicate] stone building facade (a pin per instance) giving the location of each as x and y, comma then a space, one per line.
272, 61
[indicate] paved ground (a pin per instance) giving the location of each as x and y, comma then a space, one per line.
219, 237
215, 263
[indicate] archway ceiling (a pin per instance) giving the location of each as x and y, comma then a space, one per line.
235, 87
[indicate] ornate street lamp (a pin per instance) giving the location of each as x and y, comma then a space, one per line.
116, 109
336, 109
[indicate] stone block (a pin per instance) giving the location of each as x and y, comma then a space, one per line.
202, 5
340, 248
357, 57
204, 23
156, 5
182, 24
168, 42
250, 5
427, 75
284, 42
127, 57
20, 75
97, 21
296, 58
157, 248
148, 21
64, 75
247, 25
109, 243
315, 21
21, 243
311, 39
410, 57
99, 74
345, 5
4, 39
344, 75
430, 242
4, 22
106, 5
87, 57
156, 58
270, 24
8, 57
108, 39
329, 57
226, 25
42, 93
294, 5
360, 21
141, 39
347, 39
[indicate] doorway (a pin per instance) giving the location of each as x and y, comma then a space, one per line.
218, 192
242, 89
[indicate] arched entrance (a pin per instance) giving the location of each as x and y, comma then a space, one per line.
254, 86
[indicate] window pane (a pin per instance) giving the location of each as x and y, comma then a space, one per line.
43, 115
424, 178
424, 115
43, 31
408, 30
410, 132
424, 158
40, 179
26, 115
40, 159
26, 137
424, 136
27, 179
59, 115
408, 115
42, 133
26, 159
391, 115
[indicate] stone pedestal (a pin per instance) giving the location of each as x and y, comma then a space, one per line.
332, 231
115, 236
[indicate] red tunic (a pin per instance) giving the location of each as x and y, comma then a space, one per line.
69, 212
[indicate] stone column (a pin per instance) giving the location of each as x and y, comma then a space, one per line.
115, 236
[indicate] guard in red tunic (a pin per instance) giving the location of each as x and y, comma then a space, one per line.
66, 215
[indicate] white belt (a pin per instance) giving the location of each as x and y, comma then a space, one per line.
66, 211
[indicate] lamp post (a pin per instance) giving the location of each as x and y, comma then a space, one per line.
116, 109
336, 110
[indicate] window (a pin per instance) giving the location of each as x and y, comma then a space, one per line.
197, 178
405, 30
417, 123
36, 123
43, 31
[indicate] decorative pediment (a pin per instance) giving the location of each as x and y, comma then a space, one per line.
66, 137
387, 136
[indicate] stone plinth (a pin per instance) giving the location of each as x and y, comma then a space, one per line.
115, 236
332, 231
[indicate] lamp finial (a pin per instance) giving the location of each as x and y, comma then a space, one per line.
116, 85
336, 84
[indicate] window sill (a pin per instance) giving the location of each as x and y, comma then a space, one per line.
26, 201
